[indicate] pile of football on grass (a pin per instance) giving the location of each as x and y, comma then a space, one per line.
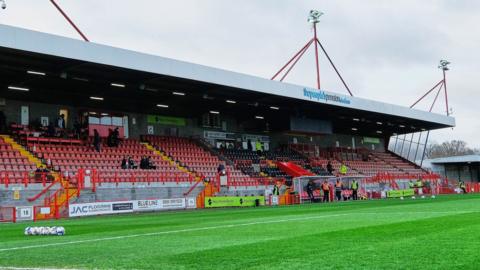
58, 231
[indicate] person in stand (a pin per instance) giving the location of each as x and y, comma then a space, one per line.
462, 186
343, 169
110, 138
49, 164
310, 188
354, 190
338, 190
96, 140
249, 145
61, 121
221, 169
150, 164
143, 162
329, 167
115, 137
124, 163
131, 163
77, 128
326, 191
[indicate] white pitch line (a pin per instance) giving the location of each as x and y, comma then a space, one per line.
170, 232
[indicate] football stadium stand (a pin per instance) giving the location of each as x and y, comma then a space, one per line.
203, 132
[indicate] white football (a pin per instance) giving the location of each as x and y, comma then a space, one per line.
433, 196
423, 197
413, 198
28, 231
60, 231
401, 198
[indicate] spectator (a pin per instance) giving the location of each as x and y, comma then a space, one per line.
110, 138
221, 169
329, 167
49, 164
61, 121
143, 163
131, 163
77, 128
115, 137
96, 140
150, 163
124, 163
343, 169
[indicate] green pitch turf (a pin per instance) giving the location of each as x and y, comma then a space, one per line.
441, 233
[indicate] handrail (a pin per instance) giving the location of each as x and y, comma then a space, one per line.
192, 187
42, 192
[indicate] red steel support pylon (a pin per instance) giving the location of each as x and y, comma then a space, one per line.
443, 83
313, 18
69, 20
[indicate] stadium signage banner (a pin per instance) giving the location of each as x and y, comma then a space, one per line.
400, 193
163, 204
166, 120
319, 95
371, 140
103, 208
233, 201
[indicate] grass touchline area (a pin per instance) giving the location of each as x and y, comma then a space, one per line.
383, 234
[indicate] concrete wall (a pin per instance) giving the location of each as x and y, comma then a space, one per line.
7, 194
107, 192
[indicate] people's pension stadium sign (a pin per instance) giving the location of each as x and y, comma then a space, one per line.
320, 95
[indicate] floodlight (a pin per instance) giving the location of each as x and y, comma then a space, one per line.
4, 4
443, 64
314, 16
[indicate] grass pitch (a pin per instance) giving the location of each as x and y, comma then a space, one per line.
441, 233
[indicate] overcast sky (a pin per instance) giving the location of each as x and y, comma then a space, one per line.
385, 50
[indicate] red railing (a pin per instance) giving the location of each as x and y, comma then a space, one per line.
27, 178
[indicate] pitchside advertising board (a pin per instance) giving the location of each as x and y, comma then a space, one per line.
400, 193
211, 202
105, 208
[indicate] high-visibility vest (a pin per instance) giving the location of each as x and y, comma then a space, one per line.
325, 187
354, 185
411, 185
419, 183
338, 186
343, 169
276, 190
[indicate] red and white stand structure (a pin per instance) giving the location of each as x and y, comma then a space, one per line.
314, 19
438, 88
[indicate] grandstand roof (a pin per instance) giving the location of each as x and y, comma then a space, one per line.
456, 159
77, 70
